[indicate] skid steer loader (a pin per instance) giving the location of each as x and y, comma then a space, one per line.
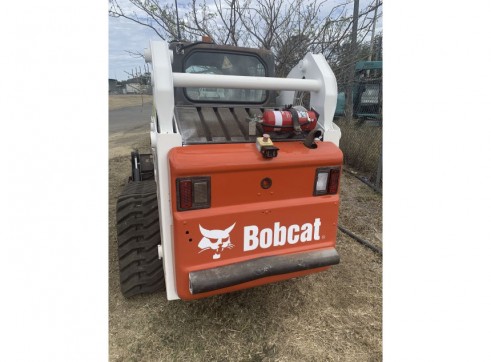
242, 185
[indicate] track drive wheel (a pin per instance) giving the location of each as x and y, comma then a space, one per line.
141, 270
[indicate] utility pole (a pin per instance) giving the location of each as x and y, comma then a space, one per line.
178, 29
348, 110
373, 31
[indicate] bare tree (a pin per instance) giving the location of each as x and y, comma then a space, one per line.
289, 28
232, 29
151, 13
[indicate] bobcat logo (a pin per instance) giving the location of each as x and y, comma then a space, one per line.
222, 242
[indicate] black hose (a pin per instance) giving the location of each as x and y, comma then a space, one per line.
373, 187
309, 140
361, 241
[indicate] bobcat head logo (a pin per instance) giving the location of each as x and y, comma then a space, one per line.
221, 240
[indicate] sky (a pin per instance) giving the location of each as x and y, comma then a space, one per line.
125, 35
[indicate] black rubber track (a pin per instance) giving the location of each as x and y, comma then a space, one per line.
141, 271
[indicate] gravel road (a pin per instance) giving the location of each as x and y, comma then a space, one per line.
129, 118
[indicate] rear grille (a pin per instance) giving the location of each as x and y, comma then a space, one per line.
209, 125
215, 124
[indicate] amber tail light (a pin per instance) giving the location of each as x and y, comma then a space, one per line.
326, 181
193, 193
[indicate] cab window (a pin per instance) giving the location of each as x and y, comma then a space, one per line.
202, 62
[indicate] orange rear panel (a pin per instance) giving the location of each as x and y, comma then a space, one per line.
246, 220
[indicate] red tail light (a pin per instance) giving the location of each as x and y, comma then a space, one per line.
185, 194
326, 181
332, 188
193, 193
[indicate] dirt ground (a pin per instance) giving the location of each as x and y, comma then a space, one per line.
127, 100
330, 316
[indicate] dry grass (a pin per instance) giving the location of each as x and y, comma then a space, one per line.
361, 143
127, 100
330, 316
361, 210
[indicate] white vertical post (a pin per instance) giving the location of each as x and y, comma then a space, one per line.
314, 66
162, 142
163, 89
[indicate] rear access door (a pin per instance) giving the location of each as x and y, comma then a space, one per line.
241, 220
